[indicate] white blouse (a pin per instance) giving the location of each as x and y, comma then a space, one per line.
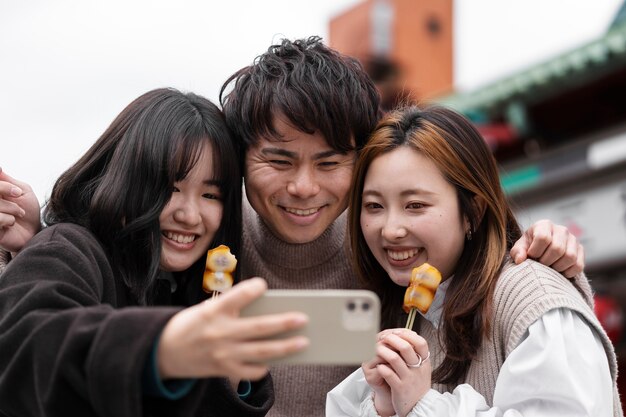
559, 368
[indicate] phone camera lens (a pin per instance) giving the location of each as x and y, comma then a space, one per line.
365, 306
351, 306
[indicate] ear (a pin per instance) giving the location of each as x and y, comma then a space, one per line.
479, 209
481, 206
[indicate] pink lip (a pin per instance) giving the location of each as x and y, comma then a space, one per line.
401, 264
398, 248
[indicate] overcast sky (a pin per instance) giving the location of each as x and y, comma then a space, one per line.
68, 67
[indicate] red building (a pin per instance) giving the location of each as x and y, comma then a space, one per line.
405, 45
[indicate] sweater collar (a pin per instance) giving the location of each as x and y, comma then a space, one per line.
294, 255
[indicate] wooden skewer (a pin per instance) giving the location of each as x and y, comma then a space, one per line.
411, 319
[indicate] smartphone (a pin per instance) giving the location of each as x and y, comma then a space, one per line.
342, 326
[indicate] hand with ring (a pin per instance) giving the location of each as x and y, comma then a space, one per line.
405, 367
420, 361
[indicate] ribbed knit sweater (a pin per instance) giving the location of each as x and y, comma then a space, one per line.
523, 293
5, 257
322, 264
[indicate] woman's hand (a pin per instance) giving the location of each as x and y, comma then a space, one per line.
210, 339
406, 368
382, 391
19, 213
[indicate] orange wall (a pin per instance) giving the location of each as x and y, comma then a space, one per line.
424, 58
349, 32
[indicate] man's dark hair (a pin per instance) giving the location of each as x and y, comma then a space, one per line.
313, 86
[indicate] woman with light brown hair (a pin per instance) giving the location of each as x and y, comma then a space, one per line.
499, 339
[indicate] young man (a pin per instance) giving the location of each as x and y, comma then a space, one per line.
300, 113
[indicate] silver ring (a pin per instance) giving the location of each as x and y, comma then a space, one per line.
420, 361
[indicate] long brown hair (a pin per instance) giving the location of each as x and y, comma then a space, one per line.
462, 156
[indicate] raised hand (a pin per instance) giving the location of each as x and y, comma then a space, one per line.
19, 213
210, 339
552, 245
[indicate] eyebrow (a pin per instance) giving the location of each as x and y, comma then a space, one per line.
213, 182
405, 193
294, 155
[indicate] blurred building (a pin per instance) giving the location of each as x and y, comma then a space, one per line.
558, 130
405, 45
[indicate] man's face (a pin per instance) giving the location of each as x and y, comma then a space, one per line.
299, 184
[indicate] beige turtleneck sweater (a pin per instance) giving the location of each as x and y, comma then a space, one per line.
5, 257
322, 264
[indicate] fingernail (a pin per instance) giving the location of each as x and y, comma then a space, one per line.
16, 191
302, 342
301, 319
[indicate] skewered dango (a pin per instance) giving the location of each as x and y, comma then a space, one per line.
420, 293
220, 264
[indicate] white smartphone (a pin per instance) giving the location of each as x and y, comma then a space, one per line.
342, 326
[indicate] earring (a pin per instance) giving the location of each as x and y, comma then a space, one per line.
468, 235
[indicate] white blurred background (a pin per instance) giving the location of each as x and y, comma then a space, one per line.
68, 67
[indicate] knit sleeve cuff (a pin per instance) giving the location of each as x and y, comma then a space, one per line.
244, 389
5, 257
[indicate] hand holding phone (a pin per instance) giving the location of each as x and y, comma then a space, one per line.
342, 326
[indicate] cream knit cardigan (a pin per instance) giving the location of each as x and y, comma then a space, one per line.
523, 293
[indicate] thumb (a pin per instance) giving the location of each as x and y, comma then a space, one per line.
519, 251
242, 294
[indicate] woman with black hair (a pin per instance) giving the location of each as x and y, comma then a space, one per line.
92, 310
